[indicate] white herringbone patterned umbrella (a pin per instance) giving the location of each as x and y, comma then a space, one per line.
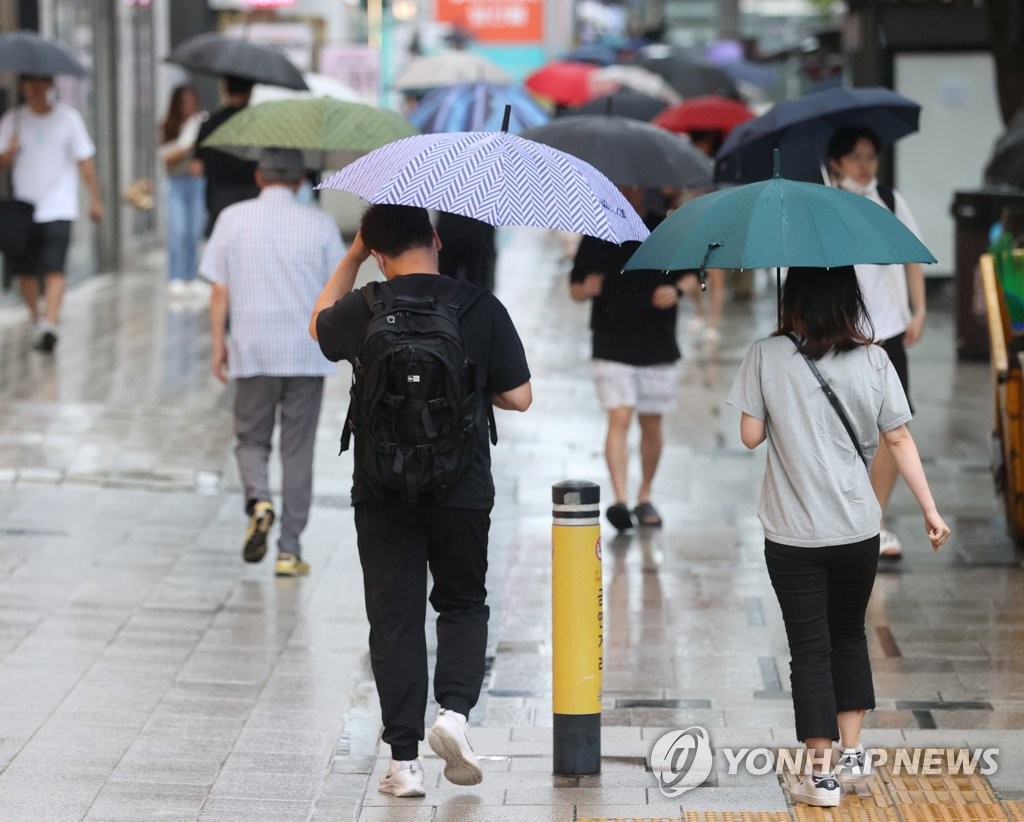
496, 177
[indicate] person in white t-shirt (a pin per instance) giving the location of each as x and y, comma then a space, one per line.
46, 145
894, 294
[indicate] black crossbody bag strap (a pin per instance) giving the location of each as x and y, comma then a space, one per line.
832, 398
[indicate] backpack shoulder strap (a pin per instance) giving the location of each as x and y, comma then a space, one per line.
378, 296
461, 298
888, 197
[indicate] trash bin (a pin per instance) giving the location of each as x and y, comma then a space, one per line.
975, 213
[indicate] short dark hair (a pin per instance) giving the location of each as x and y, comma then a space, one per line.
845, 139
394, 229
237, 85
825, 307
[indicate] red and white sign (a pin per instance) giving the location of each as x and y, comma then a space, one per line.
496, 21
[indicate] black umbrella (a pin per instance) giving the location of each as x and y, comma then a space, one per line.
688, 74
1007, 162
626, 151
801, 129
232, 56
625, 103
26, 53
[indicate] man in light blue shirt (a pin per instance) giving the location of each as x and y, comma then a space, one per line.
268, 259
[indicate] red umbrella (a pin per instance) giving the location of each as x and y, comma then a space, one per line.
562, 82
709, 113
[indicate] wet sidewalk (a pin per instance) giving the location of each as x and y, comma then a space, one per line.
147, 673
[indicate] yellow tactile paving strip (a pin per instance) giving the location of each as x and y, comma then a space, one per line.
885, 796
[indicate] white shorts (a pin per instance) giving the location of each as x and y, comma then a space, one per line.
650, 389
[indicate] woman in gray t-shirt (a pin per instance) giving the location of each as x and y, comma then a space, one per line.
820, 515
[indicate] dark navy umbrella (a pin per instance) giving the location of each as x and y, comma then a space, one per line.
801, 128
476, 107
26, 53
625, 103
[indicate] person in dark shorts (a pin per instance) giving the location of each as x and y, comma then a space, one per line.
47, 147
229, 179
634, 356
398, 540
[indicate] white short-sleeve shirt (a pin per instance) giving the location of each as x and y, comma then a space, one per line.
51, 146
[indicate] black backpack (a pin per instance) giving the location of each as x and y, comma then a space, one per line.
417, 401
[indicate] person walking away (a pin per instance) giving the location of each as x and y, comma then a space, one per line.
443, 524
894, 295
468, 253
817, 507
48, 148
229, 179
268, 258
186, 189
634, 356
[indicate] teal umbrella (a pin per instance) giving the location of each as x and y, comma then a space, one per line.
778, 222
331, 133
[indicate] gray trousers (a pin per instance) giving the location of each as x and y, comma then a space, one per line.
257, 400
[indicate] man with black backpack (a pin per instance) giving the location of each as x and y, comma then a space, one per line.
430, 359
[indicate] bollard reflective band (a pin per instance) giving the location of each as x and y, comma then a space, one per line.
576, 514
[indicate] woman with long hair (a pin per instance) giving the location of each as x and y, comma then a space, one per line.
186, 188
820, 515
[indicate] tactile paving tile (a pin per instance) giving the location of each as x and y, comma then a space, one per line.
1014, 810
956, 812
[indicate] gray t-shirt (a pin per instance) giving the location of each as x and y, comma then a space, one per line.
816, 491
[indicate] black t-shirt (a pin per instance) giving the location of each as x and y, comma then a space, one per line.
626, 327
491, 341
223, 170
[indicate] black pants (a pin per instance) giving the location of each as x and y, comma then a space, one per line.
823, 593
396, 545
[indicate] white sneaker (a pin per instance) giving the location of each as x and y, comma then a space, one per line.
177, 288
819, 791
853, 764
712, 336
403, 779
448, 739
199, 288
889, 545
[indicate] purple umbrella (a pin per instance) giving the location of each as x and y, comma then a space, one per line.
495, 177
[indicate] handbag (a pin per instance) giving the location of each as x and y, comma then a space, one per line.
832, 398
16, 221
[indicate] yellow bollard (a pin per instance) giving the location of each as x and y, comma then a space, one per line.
577, 605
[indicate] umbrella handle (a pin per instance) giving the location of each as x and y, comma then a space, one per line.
702, 274
506, 118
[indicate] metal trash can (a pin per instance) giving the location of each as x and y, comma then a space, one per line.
975, 213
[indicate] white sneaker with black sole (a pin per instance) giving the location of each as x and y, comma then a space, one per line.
403, 779
448, 739
817, 791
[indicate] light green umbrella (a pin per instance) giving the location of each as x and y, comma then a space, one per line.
330, 133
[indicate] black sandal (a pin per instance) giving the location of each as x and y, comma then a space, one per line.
647, 515
619, 516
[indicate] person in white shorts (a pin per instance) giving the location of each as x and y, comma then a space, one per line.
635, 356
